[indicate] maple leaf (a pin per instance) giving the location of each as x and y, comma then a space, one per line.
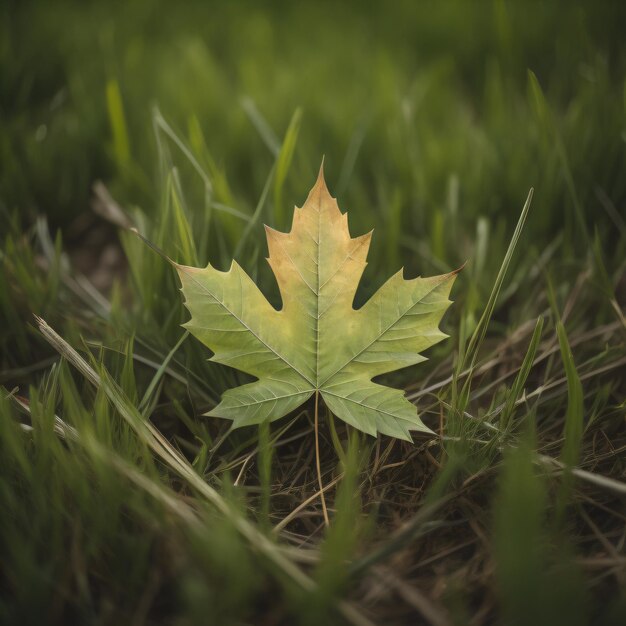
317, 342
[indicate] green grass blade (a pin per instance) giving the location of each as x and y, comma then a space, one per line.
481, 329
256, 216
283, 163
263, 128
115, 108
147, 396
522, 376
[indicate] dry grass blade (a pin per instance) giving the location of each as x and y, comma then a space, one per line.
596, 479
291, 516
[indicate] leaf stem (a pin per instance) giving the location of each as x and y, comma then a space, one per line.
317, 460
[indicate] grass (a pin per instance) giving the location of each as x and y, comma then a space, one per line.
121, 503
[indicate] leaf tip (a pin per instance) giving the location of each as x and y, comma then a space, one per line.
320, 183
424, 430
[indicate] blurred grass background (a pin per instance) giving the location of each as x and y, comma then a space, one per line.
206, 120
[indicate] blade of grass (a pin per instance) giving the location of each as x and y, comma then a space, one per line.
115, 108
160, 125
460, 400
256, 215
479, 333
283, 163
260, 123
520, 380
145, 401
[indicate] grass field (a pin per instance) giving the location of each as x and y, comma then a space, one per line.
121, 503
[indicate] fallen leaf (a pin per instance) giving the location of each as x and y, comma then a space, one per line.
317, 342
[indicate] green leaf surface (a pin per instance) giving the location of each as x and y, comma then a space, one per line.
317, 342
